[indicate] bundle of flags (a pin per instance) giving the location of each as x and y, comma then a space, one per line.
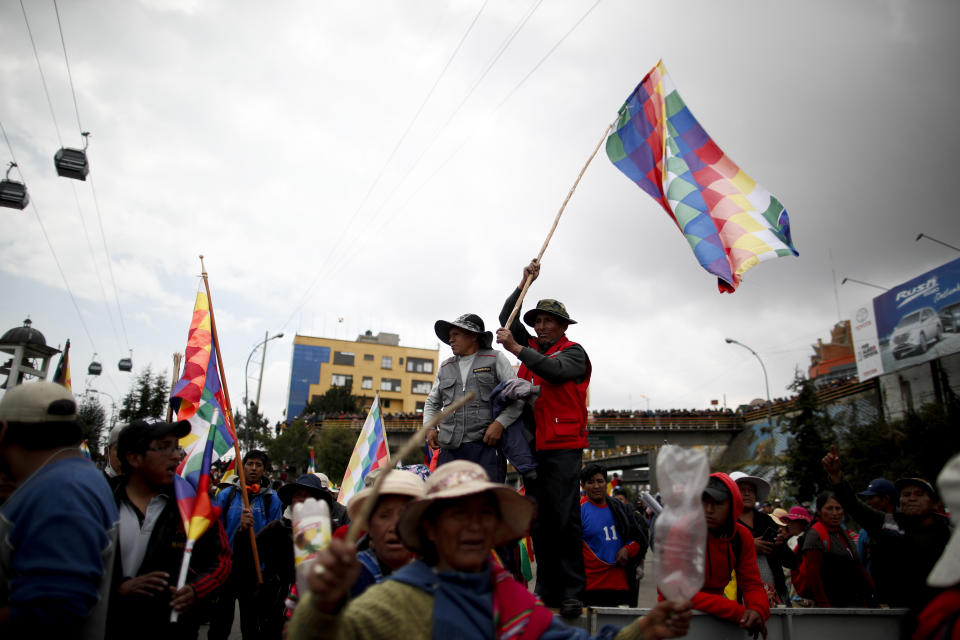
85, 450
198, 397
312, 467
730, 221
370, 452
62, 374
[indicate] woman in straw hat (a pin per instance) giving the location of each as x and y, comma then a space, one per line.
381, 551
454, 591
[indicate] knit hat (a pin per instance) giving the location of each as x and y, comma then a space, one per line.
459, 479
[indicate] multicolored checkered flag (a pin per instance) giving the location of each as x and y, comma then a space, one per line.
370, 452
730, 221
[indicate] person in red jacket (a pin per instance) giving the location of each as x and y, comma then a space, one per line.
730, 550
562, 369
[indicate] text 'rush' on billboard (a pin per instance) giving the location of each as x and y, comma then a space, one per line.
911, 323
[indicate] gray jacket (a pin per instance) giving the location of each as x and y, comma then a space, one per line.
470, 422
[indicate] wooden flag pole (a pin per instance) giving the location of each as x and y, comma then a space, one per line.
177, 357
543, 249
228, 410
416, 440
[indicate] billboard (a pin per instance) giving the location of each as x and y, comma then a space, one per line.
911, 323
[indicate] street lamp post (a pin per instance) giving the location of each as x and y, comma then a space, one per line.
246, 403
923, 235
766, 381
869, 284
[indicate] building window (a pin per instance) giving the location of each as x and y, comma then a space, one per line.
341, 380
421, 386
390, 384
420, 407
368, 357
367, 382
401, 362
419, 365
386, 362
343, 357
385, 403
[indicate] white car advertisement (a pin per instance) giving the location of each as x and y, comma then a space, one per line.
911, 323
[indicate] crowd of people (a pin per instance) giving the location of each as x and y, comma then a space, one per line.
445, 550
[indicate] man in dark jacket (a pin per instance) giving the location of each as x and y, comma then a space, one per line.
913, 538
610, 540
561, 368
152, 540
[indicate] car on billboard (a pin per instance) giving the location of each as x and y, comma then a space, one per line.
950, 318
915, 332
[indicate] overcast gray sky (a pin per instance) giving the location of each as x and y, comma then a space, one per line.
263, 134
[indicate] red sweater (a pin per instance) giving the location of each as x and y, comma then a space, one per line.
721, 561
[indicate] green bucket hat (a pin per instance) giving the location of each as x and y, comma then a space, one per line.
551, 306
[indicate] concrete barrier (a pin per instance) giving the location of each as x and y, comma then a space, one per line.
784, 624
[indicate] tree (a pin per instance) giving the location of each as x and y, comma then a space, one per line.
253, 428
334, 400
291, 447
812, 432
147, 397
917, 445
93, 422
334, 446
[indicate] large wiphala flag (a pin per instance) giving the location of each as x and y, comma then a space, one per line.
730, 221
198, 397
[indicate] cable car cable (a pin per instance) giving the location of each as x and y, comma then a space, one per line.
338, 242
93, 190
43, 78
461, 146
53, 252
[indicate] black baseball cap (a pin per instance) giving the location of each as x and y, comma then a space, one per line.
717, 490
141, 432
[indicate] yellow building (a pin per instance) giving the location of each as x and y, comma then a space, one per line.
372, 364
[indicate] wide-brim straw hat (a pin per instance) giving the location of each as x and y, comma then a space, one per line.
778, 516
397, 483
459, 479
762, 486
946, 572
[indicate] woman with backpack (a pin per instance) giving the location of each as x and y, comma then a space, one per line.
830, 571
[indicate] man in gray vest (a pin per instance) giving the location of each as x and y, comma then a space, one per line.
472, 432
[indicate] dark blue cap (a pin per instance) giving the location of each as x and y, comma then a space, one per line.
879, 487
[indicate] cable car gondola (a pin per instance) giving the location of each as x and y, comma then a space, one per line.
94, 368
13, 194
72, 163
126, 364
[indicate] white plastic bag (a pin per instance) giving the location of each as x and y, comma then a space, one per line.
680, 536
311, 533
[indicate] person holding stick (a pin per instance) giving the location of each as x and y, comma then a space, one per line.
152, 539
265, 507
454, 591
561, 368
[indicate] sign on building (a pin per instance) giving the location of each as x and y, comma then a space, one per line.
910, 324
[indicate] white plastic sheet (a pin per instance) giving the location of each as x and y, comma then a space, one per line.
680, 537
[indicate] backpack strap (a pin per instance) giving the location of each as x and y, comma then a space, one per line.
823, 533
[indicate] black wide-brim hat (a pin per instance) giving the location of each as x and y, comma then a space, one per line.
468, 322
548, 305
